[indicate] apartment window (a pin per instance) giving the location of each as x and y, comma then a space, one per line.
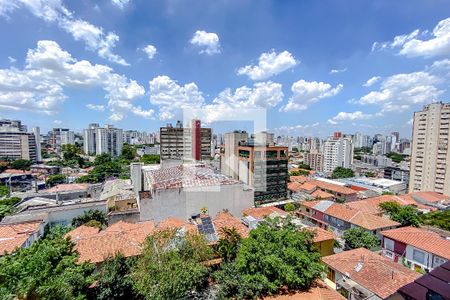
389, 254
389, 244
419, 256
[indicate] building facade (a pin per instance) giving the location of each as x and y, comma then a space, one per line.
315, 160
338, 152
430, 153
229, 161
17, 143
98, 140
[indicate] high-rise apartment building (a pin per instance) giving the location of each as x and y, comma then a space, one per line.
59, 137
338, 152
430, 151
315, 160
99, 140
265, 169
192, 143
17, 143
229, 162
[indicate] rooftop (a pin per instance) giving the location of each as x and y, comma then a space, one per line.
185, 176
318, 291
422, 239
65, 187
332, 187
378, 274
227, 220
263, 212
13, 236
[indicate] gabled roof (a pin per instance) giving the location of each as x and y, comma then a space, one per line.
321, 234
318, 291
294, 186
318, 194
333, 187
263, 212
371, 205
227, 220
299, 179
378, 274
175, 223
82, 232
13, 236
65, 187
422, 239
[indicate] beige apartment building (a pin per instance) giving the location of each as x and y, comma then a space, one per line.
430, 155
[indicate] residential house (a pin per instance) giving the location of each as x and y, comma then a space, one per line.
417, 247
19, 235
339, 217
317, 291
433, 285
361, 274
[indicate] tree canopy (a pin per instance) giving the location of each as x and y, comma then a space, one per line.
47, 269
128, 152
150, 159
55, 179
90, 215
396, 157
171, 266
4, 190
275, 255
405, 215
439, 219
340, 172
6, 206
299, 173
228, 246
21, 164
359, 237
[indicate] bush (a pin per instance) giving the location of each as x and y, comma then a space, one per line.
341, 172
359, 237
90, 215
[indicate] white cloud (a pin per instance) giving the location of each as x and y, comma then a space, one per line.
49, 70
349, 116
121, 3
150, 50
334, 71
53, 11
296, 127
372, 81
400, 91
208, 42
269, 64
57, 122
169, 96
11, 59
97, 107
423, 43
304, 93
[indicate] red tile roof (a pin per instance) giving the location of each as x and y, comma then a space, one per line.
65, 187
378, 274
431, 196
82, 232
319, 194
422, 239
294, 186
321, 234
175, 223
227, 220
318, 291
333, 187
263, 212
15, 235
299, 179
371, 205
308, 187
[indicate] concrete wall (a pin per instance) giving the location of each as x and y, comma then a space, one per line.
64, 216
185, 202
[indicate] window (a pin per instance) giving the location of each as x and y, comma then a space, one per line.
438, 261
419, 256
388, 254
389, 244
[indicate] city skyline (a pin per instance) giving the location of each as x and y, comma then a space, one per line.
76, 65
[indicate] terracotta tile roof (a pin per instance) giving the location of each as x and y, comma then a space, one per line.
378, 274
310, 204
227, 220
420, 238
175, 223
299, 179
333, 187
67, 187
82, 232
308, 187
294, 186
317, 291
371, 205
263, 212
321, 234
431, 196
319, 194
126, 238
15, 171
15, 235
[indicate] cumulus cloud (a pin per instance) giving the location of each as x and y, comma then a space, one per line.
305, 93
372, 81
349, 116
49, 70
150, 50
208, 42
121, 3
11, 59
96, 107
400, 91
297, 127
335, 71
419, 43
269, 64
57, 122
53, 11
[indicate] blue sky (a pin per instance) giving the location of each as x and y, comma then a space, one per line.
316, 66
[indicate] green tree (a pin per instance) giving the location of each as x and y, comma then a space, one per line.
299, 173
229, 244
7, 206
275, 255
102, 159
304, 167
405, 215
48, 269
289, 207
439, 219
294, 149
128, 152
369, 174
359, 237
4, 190
21, 164
150, 159
396, 157
114, 279
340, 172
55, 179
90, 215
171, 266
387, 193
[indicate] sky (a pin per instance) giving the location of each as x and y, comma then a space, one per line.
312, 67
